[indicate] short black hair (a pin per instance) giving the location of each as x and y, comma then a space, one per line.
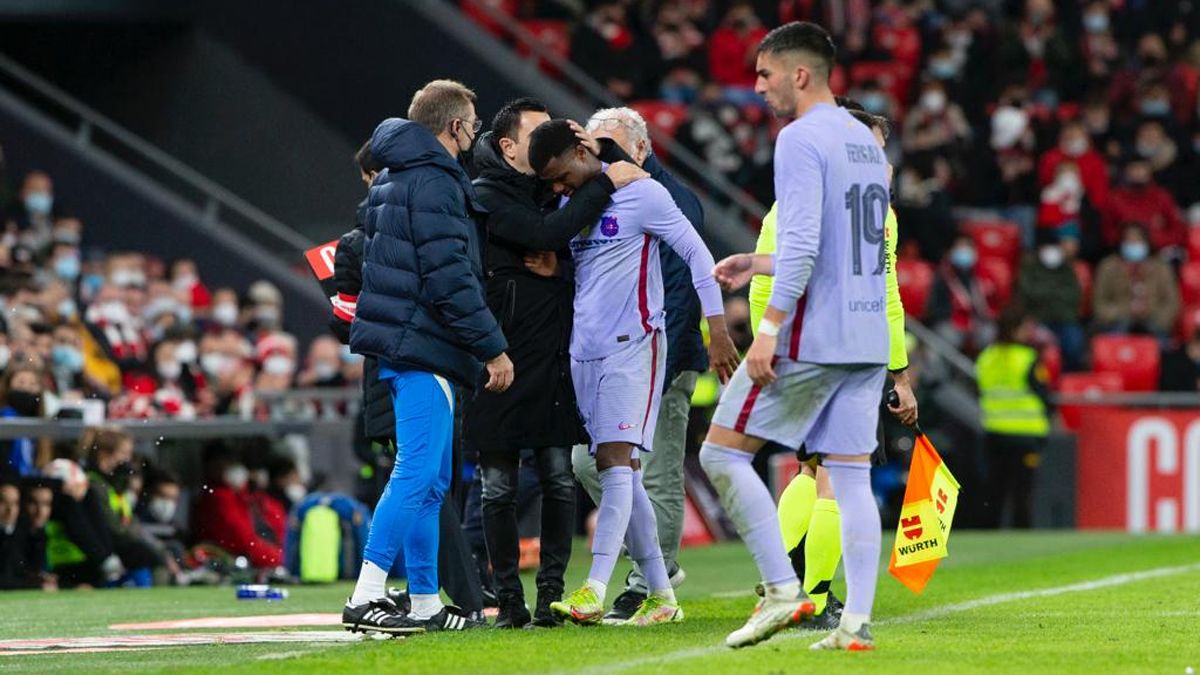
801, 36
366, 161
551, 139
508, 118
848, 103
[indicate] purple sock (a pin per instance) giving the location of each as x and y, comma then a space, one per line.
642, 538
612, 520
860, 532
749, 504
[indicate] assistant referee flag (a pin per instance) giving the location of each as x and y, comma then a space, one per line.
925, 519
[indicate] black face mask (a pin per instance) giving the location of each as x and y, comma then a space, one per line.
27, 404
119, 477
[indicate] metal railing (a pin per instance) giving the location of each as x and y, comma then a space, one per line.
577, 77
96, 130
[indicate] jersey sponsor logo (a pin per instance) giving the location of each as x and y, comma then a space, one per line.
867, 306
625, 426
609, 226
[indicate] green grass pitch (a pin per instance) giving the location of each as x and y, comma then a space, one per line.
1041, 602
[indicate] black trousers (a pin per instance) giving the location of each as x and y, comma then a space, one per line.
500, 480
1011, 463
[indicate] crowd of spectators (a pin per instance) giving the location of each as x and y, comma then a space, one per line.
1070, 125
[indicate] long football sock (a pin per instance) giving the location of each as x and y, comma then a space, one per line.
612, 520
642, 541
861, 534
822, 550
749, 504
795, 513
425, 606
371, 581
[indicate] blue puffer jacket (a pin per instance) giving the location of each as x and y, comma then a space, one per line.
422, 303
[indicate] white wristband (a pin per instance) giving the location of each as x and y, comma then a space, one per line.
768, 328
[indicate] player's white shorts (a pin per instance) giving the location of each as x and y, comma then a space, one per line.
618, 395
834, 409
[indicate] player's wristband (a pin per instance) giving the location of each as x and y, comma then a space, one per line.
768, 327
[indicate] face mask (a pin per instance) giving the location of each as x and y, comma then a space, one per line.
875, 103
1095, 22
960, 40
67, 309
1075, 147
186, 352
93, 282
67, 268
161, 510
214, 363
1134, 251
225, 314
325, 370
943, 69
295, 493
236, 476
184, 282
1070, 181
115, 311
278, 365
1051, 256
67, 358
1147, 150
349, 356
39, 203
27, 404
933, 101
267, 315
1155, 107
170, 370
963, 258
160, 307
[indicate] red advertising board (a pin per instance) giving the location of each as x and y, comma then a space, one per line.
1139, 470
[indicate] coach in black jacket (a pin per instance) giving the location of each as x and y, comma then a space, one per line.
535, 313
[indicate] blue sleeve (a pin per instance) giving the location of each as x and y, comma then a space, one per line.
799, 191
441, 231
663, 219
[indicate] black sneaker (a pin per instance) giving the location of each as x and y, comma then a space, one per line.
379, 616
624, 607
829, 619
400, 597
453, 618
513, 612
543, 616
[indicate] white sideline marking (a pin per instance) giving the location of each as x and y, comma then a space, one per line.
935, 612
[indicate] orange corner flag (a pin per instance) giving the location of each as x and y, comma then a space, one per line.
925, 519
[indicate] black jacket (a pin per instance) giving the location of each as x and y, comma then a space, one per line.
535, 313
422, 304
379, 418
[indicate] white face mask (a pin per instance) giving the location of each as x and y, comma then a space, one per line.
934, 101
214, 363
225, 314
1051, 256
295, 492
325, 370
278, 365
161, 510
236, 476
1075, 147
170, 370
186, 352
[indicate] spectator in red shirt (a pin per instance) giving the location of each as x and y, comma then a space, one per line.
732, 52
223, 512
1075, 145
186, 280
1140, 200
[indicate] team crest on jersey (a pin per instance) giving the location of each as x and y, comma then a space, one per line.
608, 226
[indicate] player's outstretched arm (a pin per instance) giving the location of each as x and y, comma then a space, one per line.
736, 271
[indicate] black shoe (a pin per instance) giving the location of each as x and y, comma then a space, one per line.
400, 597
453, 618
826, 620
543, 616
624, 607
513, 612
379, 616
489, 598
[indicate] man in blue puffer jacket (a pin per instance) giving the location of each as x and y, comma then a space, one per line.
422, 313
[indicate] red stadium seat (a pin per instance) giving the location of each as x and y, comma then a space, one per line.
1189, 282
1134, 357
553, 34
995, 239
1051, 359
996, 275
1083, 272
1189, 320
473, 11
902, 42
1193, 243
916, 278
1088, 384
663, 117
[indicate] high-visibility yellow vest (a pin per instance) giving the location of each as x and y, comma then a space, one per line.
60, 550
1008, 404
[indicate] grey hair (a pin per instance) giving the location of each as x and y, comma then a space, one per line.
626, 117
